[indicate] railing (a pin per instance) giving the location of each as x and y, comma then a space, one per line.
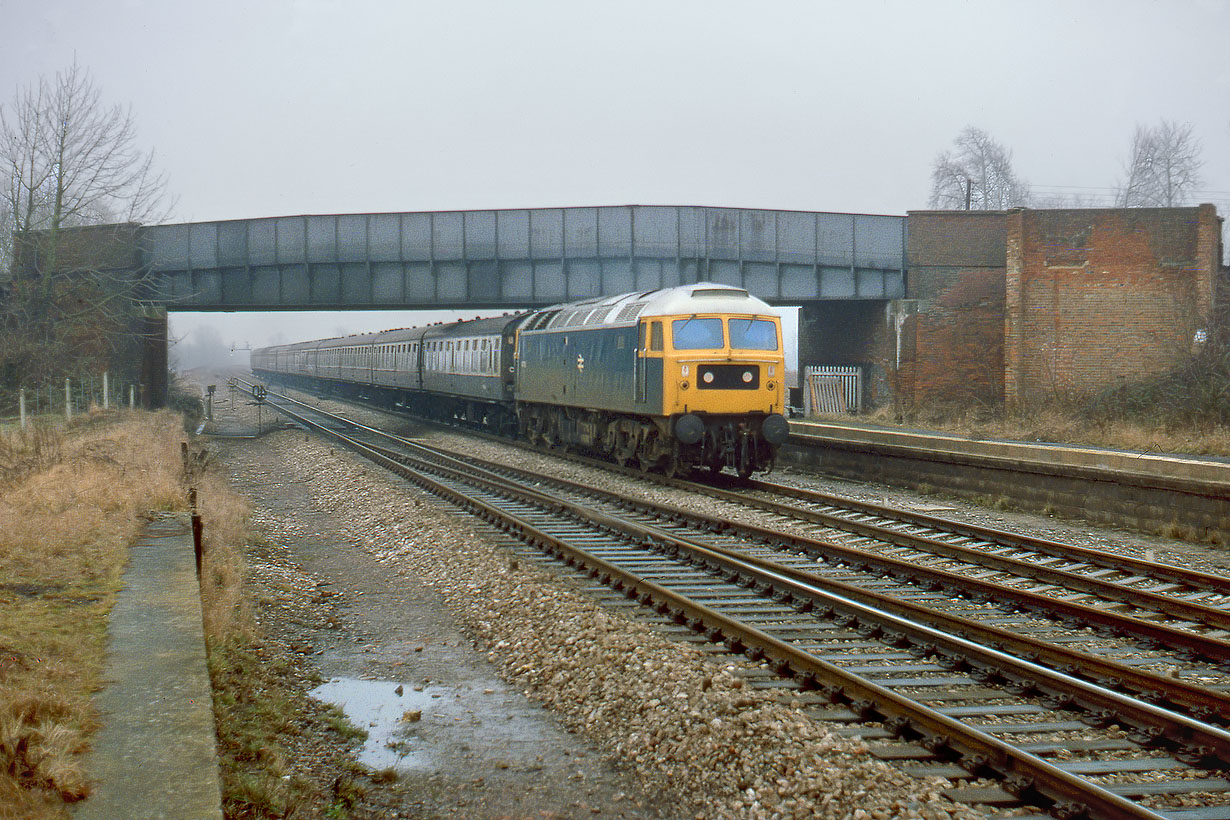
72, 397
832, 389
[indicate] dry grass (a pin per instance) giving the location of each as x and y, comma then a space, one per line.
72, 498
1065, 425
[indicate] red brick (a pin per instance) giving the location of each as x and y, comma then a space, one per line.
1032, 305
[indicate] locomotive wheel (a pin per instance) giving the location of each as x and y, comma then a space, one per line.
625, 448
673, 467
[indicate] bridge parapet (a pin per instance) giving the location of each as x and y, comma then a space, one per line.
509, 258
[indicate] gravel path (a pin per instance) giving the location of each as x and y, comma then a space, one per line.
689, 728
391, 650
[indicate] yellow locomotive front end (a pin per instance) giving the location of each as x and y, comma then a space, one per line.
723, 365
722, 381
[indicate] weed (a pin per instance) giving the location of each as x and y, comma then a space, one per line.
386, 775
1186, 410
72, 497
337, 721
1180, 532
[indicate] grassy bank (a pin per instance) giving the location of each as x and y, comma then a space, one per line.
72, 499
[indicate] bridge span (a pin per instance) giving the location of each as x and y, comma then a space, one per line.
520, 257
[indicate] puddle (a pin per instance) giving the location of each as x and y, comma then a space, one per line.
459, 727
388, 718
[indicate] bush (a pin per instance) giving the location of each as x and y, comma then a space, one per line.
1197, 394
185, 399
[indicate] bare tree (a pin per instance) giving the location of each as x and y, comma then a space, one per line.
1065, 200
976, 174
1163, 168
6, 231
68, 160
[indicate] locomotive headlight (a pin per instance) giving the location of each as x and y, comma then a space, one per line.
683, 371
708, 377
771, 386
747, 377
683, 385
772, 370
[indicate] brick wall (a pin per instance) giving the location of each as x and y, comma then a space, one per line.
1094, 297
1029, 305
951, 348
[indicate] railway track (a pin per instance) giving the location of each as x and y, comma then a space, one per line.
1084, 700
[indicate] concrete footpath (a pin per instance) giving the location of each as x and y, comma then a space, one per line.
156, 754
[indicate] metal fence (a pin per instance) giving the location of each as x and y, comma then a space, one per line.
832, 389
69, 398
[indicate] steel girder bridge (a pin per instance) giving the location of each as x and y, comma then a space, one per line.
517, 258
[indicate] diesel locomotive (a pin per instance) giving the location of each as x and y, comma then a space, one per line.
672, 380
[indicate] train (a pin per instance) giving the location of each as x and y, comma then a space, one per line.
676, 380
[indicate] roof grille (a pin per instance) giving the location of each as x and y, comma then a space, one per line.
727, 293
629, 312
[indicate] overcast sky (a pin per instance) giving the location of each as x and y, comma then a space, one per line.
272, 108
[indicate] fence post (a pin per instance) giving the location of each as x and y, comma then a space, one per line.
106, 391
132, 397
21, 404
68, 399
196, 530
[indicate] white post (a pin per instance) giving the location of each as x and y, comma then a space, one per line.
106, 392
132, 397
68, 399
21, 403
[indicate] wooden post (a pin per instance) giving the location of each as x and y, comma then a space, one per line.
68, 399
106, 391
21, 403
197, 531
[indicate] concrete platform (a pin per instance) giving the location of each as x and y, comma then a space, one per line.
156, 755
1205, 469
1153, 492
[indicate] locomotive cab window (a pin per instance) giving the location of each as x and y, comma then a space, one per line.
655, 336
752, 334
697, 334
